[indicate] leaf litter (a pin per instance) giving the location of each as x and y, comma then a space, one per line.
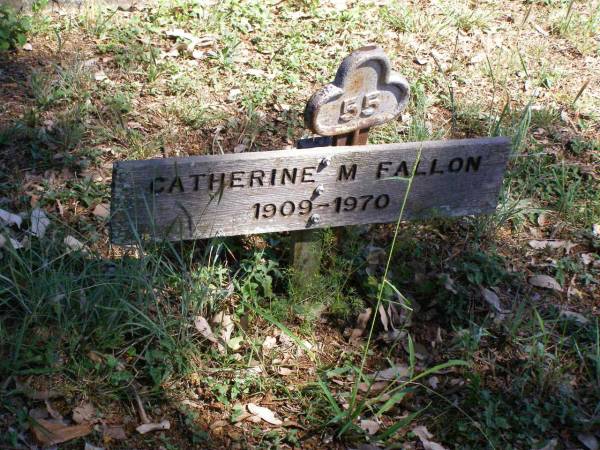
263, 413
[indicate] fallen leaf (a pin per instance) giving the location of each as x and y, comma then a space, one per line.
374, 388
269, 343
449, 284
74, 244
370, 426
424, 436
226, 323
554, 244
148, 427
16, 244
39, 413
32, 394
233, 94
102, 211
385, 321
433, 382
264, 413
545, 281
235, 343
256, 73
203, 327
586, 258
84, 413
95, 357
218, 424
284, 371
492, 299
571, 315
100, 76
39, 223
240, 148
115, 432
539, 29
27, 47
10, 219
550, 445
589, 440
361, 324
51, 433
392, 373
51, 411
89, 446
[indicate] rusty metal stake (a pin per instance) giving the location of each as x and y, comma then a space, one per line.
364, 93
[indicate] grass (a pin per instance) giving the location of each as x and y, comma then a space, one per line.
98, 324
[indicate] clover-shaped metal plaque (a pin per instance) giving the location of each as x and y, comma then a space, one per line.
364, 93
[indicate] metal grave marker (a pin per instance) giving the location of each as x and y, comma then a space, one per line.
304, 189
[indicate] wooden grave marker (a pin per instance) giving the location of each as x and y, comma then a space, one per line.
201, 197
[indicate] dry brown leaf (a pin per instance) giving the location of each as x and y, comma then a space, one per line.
148, 427
284, 371
449, 284
10, 219
218, 424
586, 258
226, 323
545, 281
589, 440
370, 426
264, 413
89, 446
102, 211
84, 413
33, 394
74, 244
575, 316
552, 243
53, 413
204, 329
376, 387
383, 317
115, 432
269, 343
392, 373
96, 357
492, 299
39, 223
38, 413
51, 433
361, 324
100, 76
424, 436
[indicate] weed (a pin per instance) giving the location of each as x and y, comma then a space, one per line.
14, 28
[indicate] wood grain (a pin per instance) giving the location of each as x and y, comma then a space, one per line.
137, 213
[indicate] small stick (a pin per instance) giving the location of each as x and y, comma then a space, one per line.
142, 412
583, 88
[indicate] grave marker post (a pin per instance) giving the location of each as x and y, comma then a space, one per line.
364, 93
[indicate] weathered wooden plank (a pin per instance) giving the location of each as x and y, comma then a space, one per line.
233, 194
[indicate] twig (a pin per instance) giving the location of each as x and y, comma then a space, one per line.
142, 412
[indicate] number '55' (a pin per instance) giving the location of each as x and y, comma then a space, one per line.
351, 108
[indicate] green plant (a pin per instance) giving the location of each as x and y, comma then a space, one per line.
14, 28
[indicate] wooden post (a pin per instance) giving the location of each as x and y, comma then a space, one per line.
346, 109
